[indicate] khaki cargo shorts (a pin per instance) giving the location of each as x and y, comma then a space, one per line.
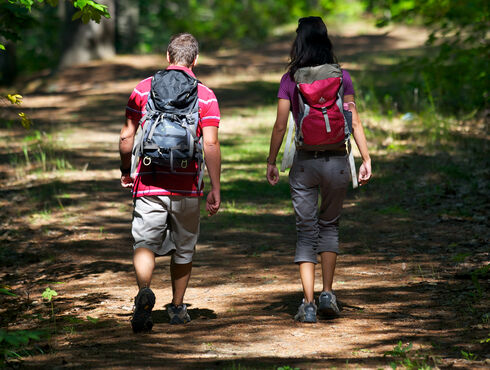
167, 225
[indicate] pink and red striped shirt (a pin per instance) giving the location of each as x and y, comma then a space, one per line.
156, 180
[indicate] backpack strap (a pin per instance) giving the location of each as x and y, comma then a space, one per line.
200, 162
153, 127
138, 142
304, 110
327, 121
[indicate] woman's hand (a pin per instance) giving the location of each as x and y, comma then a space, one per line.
364, 172
272, 174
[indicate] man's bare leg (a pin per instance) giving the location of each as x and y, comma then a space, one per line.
144, 264
180, 274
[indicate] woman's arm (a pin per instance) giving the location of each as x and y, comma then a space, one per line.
277, 136
360, 139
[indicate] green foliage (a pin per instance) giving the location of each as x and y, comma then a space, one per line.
455, 72
16, 15
16, 99
5, 291
40, 153
17, 338
49, 293
93, 320
13, 343
214, 22
468, 356
404, 356
90, 10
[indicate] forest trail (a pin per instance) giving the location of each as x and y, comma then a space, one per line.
403, 275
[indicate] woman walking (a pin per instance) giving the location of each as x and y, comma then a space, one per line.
320, 168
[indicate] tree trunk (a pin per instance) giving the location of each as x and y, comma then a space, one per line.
84, 42
8, 64
127, 19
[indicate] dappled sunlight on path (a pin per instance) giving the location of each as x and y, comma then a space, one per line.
65, 223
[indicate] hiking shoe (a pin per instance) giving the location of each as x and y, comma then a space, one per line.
178, 314
306, 312
143, 304
328, 306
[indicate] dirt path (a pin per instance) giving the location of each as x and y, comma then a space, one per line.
397, 277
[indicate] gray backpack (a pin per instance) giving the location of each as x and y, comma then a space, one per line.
169, 136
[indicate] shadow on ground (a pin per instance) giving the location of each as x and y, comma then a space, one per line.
414, 243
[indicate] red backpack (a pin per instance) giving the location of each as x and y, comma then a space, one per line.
322, 120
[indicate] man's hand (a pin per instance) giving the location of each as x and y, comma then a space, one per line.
213, 201
364, 172
127, 181
272, 174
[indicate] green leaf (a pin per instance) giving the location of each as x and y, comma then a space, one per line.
7, 292
80, 4
76, 15
16, 339
20, 337
49, 293
25, 121
93, 320
86, 18
2, 47
14, 98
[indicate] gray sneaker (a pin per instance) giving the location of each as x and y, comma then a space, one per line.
306, 312
327, 305
178, 314
143, 304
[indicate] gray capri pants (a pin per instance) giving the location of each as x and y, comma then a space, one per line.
167, 225
313, 174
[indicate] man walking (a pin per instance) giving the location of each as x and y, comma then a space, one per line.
166, 199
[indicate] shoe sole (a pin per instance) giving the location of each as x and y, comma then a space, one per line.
177, 321
308, 319
141, 321
327, 311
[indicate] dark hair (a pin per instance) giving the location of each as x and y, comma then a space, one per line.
311, 47
183, 49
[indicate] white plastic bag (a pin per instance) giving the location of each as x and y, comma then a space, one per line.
289, 146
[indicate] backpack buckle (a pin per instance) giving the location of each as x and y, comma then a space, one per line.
147, 161
184, 163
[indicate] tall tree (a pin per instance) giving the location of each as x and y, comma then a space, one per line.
127, 22
17, 19
82, 42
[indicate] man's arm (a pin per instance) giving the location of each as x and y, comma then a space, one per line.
126, 141
212, 156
